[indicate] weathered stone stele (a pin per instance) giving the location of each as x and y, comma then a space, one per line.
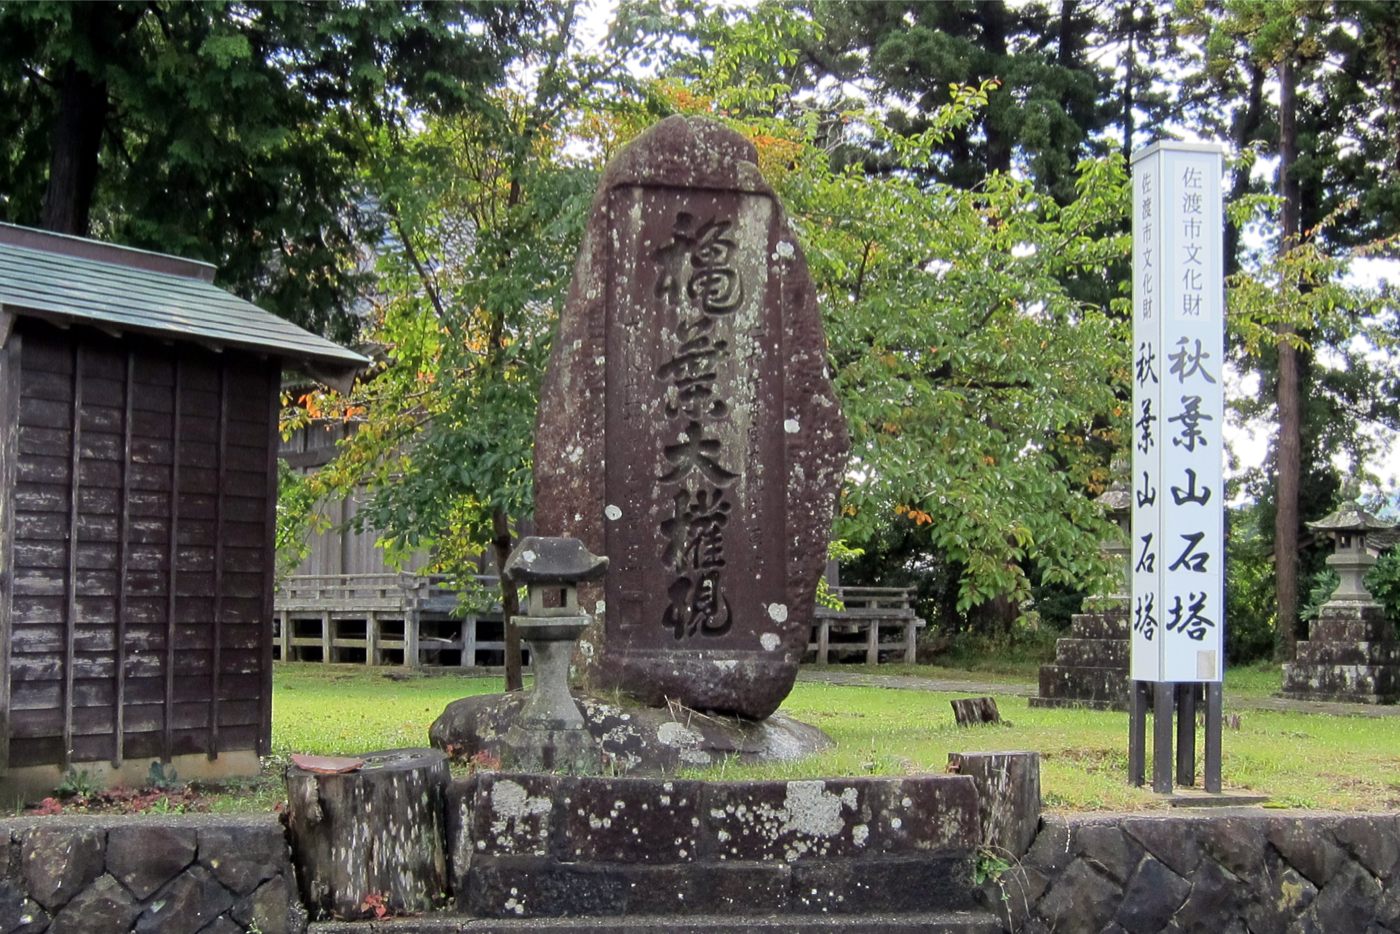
687, 427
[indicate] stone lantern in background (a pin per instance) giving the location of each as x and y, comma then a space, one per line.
1352, 557
1351, 653
1091, 663
1117, 503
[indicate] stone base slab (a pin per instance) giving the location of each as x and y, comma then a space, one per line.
943, 922
634, 739
527, 845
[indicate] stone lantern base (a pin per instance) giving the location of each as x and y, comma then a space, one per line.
1351, 655
1091, 665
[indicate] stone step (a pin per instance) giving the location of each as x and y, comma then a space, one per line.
1112, 625
951, 922
1357, 626
1092, 653
1099, 685
1361, 683
1349, 653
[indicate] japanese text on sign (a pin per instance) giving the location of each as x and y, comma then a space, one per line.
1177, 594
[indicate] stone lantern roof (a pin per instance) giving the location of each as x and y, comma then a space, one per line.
540, 560
1350, 517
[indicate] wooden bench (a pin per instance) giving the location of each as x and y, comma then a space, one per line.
874, 619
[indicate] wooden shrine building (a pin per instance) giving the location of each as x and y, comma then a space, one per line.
138, 445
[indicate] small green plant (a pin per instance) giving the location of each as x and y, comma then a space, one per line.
162, 777
78, 783
990, 867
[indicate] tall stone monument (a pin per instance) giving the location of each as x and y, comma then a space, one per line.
687, 428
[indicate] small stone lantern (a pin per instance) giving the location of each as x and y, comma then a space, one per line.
1117, 503
1352, 558
549, 732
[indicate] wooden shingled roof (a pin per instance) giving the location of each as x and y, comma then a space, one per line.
71, 280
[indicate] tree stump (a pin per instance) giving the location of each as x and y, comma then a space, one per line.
972, 710
371, 840
1008, 797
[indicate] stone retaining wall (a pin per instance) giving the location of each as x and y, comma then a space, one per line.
1231, 872
167, 874
540, 845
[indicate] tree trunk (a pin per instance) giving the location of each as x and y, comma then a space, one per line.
510, 600
992, 16
1126, 98
1288, 446
372, 839
76, 141
1242, 134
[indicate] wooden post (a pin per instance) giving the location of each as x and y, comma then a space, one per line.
872, 643
1137, 734
469, 642
1186, 735
824, 642
1162, 697
410, 637
1214, 696
377, 830
371, 638
911, 637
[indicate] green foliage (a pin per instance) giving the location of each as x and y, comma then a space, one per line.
1249, 589
77, 783
234, 133
162, 777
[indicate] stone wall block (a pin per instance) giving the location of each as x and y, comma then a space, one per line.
1166, 839
271, 908
632, 820
1108, 849
1301, 845
787, 820
1082, 899
1151, 897
1280, 897
927, 814
223, 924
536, 886
1373, 840
515, 814
1052, 850
1237, 843
242, 858
105, 905
1347, 902
862, 886
144, 857
185, 905
1216, 895
61, 861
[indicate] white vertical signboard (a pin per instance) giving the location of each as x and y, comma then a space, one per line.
1178, 542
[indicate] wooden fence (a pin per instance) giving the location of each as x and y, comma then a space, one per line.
384, 619
875, 620
408, 620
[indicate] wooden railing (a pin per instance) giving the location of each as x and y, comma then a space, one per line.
383, 619
874, 620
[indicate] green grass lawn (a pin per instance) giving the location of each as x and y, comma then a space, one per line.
1299, 760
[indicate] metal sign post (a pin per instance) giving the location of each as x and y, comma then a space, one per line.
1178, 544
